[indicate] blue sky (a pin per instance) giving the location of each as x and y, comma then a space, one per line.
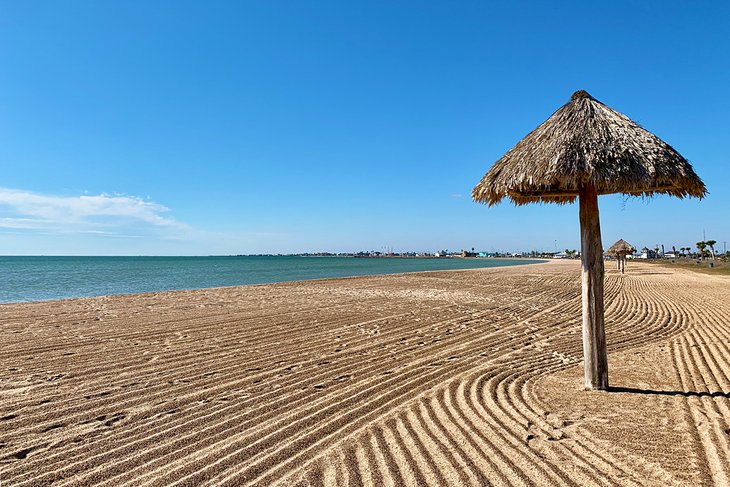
193, 128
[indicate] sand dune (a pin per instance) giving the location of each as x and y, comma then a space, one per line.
442, 378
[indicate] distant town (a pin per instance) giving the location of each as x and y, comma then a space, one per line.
701, 250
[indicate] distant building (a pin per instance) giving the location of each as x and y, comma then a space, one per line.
647, 253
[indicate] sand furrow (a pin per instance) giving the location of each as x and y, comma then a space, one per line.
421, 379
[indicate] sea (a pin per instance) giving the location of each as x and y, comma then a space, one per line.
45, 278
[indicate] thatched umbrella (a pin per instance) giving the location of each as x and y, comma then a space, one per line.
583, 150
620, 250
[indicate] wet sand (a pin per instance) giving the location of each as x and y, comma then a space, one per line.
440, 378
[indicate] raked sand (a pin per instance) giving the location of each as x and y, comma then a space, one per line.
439, 378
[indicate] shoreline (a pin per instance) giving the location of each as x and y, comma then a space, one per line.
372, 380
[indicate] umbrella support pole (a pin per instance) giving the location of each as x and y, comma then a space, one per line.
594, 338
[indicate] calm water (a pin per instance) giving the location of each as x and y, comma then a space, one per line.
40, 278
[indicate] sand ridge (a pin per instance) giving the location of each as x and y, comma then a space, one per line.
437, 378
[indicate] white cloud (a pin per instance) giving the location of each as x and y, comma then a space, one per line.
33, 211
19, 223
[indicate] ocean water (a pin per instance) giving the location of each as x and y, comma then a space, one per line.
42, 278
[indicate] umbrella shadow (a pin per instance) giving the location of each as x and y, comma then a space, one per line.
632, 390
654, 273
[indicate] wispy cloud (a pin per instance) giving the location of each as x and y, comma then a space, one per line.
455, 196
26, 210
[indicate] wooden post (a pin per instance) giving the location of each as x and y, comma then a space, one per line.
618, 262
594, 338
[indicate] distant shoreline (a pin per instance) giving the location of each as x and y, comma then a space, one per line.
349, 256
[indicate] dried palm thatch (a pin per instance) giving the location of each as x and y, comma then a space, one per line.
621, 247
586, 142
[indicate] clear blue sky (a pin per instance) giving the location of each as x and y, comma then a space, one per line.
137, 127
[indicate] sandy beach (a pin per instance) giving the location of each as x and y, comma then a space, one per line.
440, 378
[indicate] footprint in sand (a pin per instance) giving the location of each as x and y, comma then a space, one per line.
22, 454
52, 427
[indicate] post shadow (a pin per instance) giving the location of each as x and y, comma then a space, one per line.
632, 390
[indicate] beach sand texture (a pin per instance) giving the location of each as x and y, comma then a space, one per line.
441, 378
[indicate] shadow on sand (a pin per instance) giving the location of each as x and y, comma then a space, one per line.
632, 390
650, 273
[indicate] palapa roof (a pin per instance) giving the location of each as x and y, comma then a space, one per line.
621, 247
585, 141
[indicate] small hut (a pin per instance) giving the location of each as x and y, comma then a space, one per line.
583, 150
619, 251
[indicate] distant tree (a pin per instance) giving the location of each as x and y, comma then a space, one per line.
711, 244
701, 246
